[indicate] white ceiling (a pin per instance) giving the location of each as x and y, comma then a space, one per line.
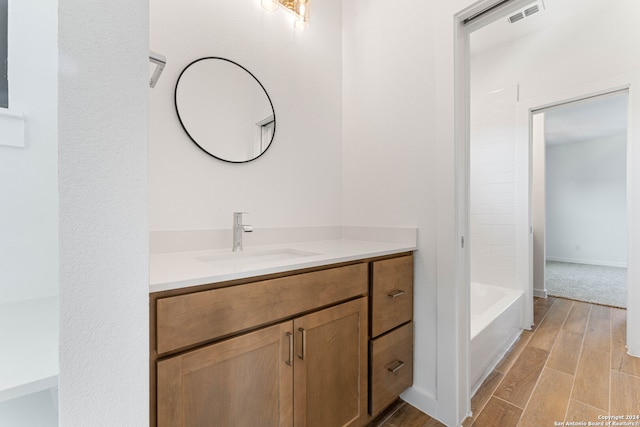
579, 121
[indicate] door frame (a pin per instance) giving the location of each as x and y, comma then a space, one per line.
454, 397
461, 148
538, 201
631, 83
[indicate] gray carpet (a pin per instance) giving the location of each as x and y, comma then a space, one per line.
590, 283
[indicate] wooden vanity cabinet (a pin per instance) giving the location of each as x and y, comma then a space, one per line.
325, 347
249, 380
302, 362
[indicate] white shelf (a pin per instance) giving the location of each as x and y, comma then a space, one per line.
12, 128
29, 356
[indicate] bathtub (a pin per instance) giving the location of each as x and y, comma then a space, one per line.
495, 326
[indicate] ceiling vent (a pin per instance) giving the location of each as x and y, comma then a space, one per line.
515, 18
531, 9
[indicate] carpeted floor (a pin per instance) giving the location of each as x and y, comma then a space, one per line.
590, 283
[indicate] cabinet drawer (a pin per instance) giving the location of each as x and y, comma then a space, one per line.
392, 294
391, 367
185, 320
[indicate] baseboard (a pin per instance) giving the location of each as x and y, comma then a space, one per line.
424, 401
540, 293
588, 262
632, 355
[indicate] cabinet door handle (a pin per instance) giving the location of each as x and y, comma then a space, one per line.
396, 293
399, 364
290, 361
304, 343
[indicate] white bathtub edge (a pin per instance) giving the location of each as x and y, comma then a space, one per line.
514, 339
507, 300
497, 326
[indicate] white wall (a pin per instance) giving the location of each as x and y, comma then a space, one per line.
28, 176
398, 80
104, 266
34, 410
492, 201
591, 44
29, 182
389, 153
298, 181
586, 202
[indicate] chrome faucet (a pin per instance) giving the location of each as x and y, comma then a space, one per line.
238, 229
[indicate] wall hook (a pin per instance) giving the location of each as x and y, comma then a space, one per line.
160, 61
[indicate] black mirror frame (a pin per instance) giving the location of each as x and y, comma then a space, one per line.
175, 101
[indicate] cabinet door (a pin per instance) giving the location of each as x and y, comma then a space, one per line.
246, 381
331, 366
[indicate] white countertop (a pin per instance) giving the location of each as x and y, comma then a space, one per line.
29, 356
183, 269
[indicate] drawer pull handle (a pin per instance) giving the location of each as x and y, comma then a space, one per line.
395, 369
396, 294
290, 361
304, 343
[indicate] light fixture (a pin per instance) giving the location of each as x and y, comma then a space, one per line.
299, 8
270, 5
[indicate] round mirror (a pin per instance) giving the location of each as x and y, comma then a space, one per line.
225, 110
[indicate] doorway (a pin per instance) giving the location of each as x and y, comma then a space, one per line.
553, 76
579, 206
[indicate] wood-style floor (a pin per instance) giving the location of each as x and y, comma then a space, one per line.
572, 366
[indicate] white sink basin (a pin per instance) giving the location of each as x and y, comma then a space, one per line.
253, 257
